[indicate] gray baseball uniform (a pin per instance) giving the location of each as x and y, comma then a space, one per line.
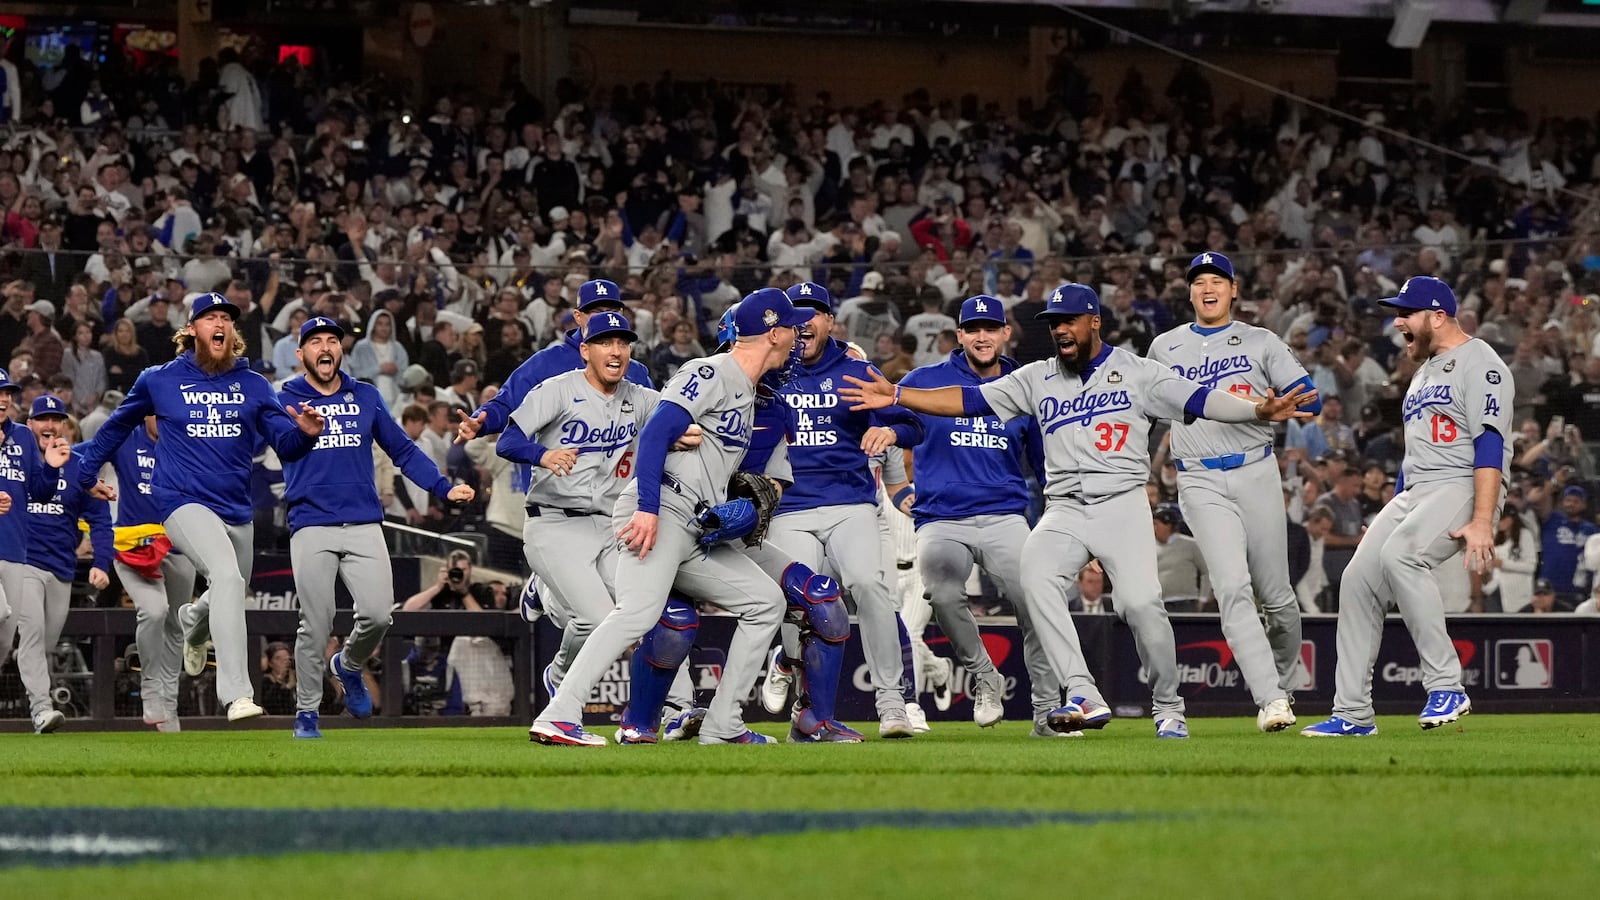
1096, 442
1454, 398
1231, 495
158, 633
567, 537
720, 398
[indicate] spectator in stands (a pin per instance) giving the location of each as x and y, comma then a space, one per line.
378, 357
1093, 598
431, 685
1185, 583
462, 391
482, 668
1516, 553
453, 588
277, 680
1565, 532
85, 367
125, 356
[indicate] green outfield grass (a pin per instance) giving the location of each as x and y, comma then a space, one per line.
1502, 806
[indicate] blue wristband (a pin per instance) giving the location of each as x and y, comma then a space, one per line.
900, 495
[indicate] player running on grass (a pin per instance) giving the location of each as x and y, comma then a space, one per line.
212, 412
1228, 483
335, 516
657, 521
1457, 412
1093, 403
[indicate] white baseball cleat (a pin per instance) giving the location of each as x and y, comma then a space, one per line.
46, 722
775, 689
243, 708
894, 725
987, 710
194, 655
170, 725
919, 719
1275, 716
941, 677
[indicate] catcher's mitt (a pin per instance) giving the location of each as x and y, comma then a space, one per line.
760, 490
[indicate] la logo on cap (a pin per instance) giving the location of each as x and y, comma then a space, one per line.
613, 321
50, 403
599, 289
980, 306
1205, 259
805, 291
1056, 297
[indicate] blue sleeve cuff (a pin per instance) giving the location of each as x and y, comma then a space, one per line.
1195, 406
904, 435
973, 402
1488, 450
1315, 407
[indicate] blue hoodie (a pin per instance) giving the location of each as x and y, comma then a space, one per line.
829, 467
547, 363
135, 465
332, 485
209, 425
53, 535
25, 476
971, 466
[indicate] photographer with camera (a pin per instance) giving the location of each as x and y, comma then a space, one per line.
453, 588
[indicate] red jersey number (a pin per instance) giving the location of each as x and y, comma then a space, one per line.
1111, 437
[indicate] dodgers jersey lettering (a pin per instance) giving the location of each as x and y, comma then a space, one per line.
769, 437
1453, 398
25, 476
568, 413
1240, 359
1096, 428
135, 465
53, 535
720, 398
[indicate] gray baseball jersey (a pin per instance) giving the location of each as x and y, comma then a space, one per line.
568, 413
1236, 514
1096, 429
721, 400
1241, 359
926, 328
1454, 397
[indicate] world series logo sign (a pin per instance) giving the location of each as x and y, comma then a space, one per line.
1524, 665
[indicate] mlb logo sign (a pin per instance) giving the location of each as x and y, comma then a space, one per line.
1305, 671
1524, 664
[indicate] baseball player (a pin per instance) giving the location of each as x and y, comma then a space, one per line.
1457, 412
212, 412
972, 508
1093, 403
335, 516
158, 579
578, 429
41, 609
1229, 489
29, 472
831, 512
657, 521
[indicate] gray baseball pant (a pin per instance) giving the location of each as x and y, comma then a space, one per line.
848, 537
946, 552
576, 557
224, 554
158, 635
1394, 563
39, 611
724, 576
357, 555
1237, 518
10, 597
1119, 533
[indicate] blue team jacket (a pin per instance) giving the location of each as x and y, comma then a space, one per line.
25, 476
209, 426
332, 485
829, 467
547, 363
135, 465
53, 534
971, 466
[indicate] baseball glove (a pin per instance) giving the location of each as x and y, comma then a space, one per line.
726, 521
760, 490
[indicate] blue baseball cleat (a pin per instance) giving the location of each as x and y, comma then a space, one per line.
807, 729
356, 698
1079, 714
1443, 707
570, 734
548, 678
633, 734
748, 737
1172, 728
305, 724
531, 606
685, 725
1338, 727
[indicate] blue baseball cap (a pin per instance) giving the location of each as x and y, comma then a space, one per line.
982, 308
766, 309
598, 291
1071, 299
320, 323
811, 294
47, 405
606, 324
207, 302
1215, 263
1423, 292
5, 382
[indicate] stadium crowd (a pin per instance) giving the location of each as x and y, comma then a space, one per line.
451, 241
